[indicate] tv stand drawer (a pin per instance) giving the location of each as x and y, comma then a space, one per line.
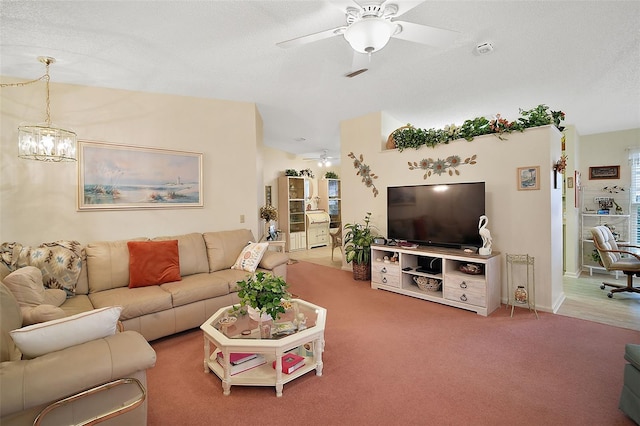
385, 273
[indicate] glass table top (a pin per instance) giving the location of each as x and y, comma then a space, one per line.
235, 325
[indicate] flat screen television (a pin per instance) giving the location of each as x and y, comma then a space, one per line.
436, 215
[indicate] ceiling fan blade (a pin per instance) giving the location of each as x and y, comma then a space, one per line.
423, 34
402, 5
310, 38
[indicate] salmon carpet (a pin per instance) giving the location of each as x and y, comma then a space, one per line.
391, 359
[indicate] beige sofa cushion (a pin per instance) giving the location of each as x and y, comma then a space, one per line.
197, 287
27, 287
108, 264
193, 253
271, 259
135, 302
223, 247
11, 319
75, 305
232, 276
41, 313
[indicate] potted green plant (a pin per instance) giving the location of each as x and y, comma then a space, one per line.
264, 293
357, 247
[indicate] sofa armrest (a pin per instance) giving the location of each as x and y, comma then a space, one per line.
56, 375
632, 354
272, 259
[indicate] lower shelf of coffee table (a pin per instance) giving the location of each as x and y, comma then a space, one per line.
262, 375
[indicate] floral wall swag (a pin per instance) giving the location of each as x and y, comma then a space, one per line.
365, 172
438, 167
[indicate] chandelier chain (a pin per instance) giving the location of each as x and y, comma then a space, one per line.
44, 77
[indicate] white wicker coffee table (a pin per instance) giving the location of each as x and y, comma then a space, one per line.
227, 337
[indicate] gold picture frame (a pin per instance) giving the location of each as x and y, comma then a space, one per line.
528, 178
124, 177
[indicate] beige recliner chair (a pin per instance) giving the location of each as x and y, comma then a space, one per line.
103, 378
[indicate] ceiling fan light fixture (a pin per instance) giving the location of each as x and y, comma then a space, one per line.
369, 34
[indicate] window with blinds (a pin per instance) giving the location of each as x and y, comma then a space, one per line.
634, 194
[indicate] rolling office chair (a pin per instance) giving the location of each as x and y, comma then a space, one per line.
612, 259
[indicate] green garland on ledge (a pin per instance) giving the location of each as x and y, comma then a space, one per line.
412, 137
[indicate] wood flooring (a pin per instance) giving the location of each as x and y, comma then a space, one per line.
583, 297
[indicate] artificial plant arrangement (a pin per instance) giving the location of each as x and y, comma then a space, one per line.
268, 213
331, 175
263, 292
306, 172
291, 172
357, 247
412, 137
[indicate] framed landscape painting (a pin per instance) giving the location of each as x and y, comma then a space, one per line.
528, 178
112, 176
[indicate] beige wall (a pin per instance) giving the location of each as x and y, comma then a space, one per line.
607, 149
38, 199
521, 222
571, 212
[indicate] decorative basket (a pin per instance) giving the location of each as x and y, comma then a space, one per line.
391, 143
362, 271
471, 269
427, 284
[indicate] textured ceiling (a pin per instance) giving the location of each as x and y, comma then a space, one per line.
580, 57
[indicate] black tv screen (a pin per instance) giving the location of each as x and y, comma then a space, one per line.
439, 215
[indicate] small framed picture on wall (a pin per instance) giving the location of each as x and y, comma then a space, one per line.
528, 178
604, 172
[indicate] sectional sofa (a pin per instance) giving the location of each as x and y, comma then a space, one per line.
203, 283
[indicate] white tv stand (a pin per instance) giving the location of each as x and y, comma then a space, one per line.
477, 293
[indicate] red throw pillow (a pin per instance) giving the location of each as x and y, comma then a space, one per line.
153, 262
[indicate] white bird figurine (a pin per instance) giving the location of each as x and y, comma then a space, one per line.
485, 234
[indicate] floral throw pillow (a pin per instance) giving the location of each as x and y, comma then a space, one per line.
250, 257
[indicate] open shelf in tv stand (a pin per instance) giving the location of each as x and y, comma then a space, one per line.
477, 293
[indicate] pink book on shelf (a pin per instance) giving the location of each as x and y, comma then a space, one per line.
290, 363
238, 357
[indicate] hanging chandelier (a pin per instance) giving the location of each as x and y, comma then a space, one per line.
44, 141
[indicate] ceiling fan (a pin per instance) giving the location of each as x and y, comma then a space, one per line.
324, 160
370, 25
